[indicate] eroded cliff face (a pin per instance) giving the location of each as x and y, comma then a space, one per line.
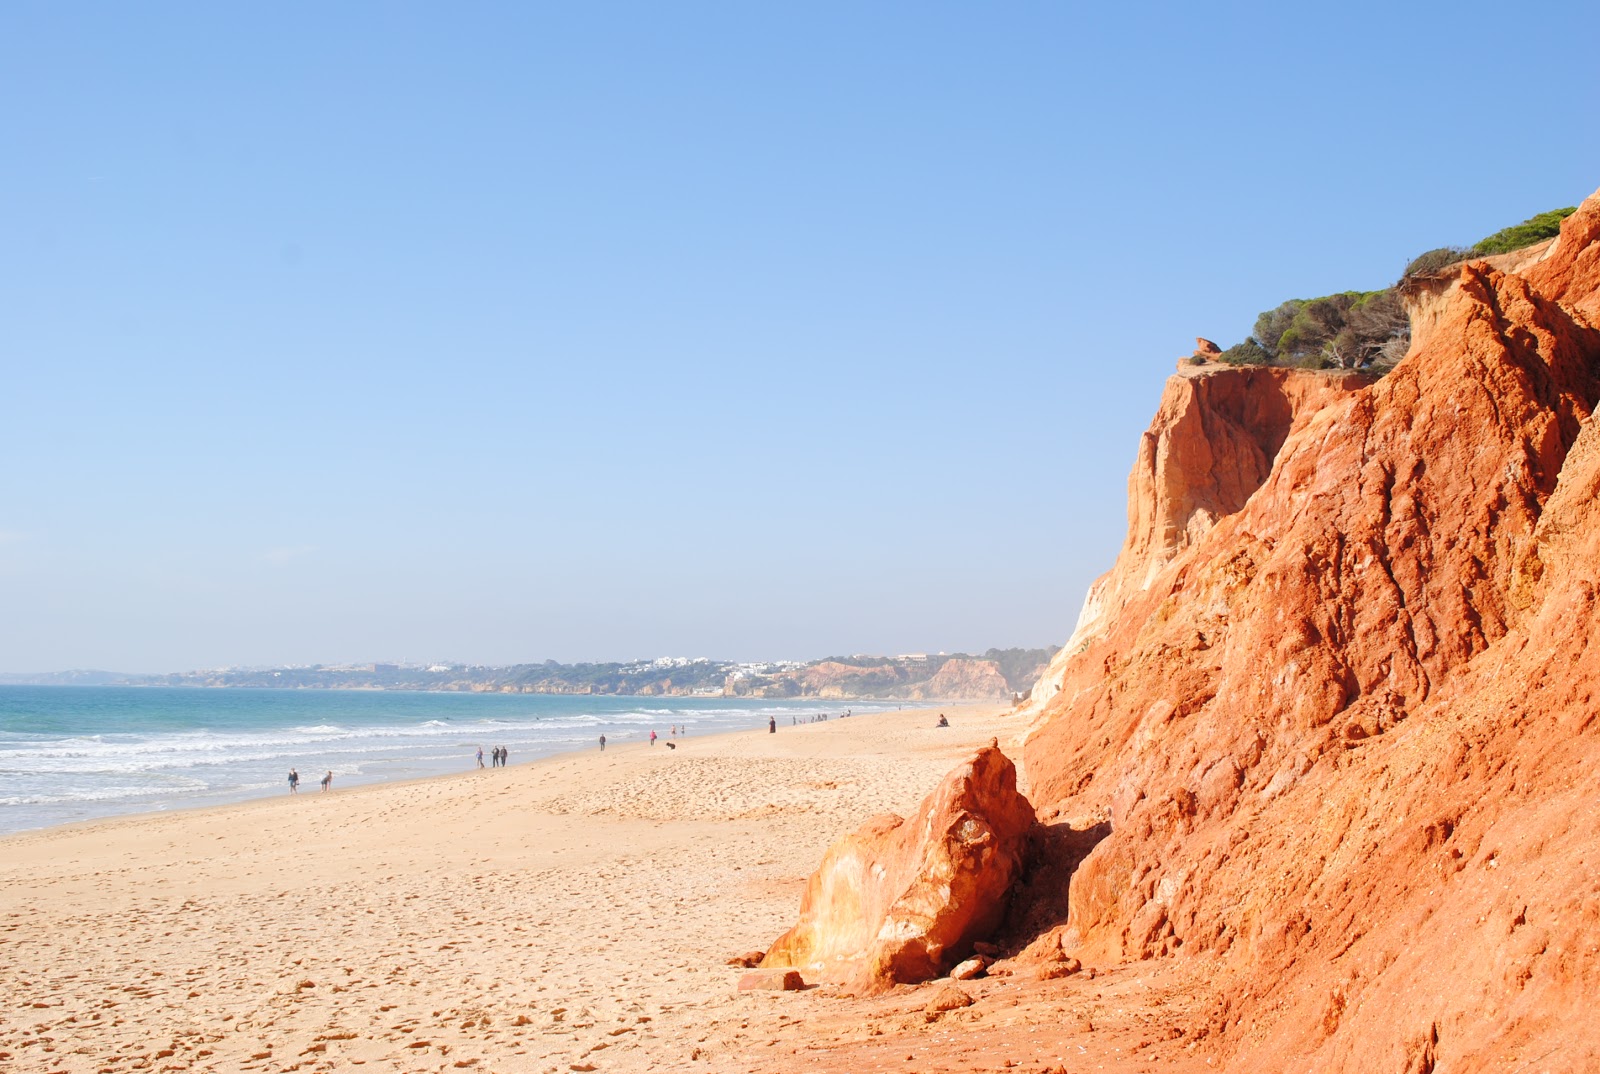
1338, 700
1211, 444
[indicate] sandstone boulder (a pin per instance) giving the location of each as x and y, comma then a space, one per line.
948, 998
1050, 971
970, 969
898, 901
772, 981
1204, 348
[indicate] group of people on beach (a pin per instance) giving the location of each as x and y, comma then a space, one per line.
498, 757
294, 781
677, 731
818, 718
499, 754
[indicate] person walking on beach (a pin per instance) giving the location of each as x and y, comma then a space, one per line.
504, 753
602, 743
480, 756
772, 725
327, 780
294, 781
652, 736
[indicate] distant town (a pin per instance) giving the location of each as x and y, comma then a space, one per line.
992, 675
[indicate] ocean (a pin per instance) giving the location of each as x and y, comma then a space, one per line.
73, 753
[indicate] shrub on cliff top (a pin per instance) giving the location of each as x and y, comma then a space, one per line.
1272, 324
1375, 325
1247, 353
1341, 331
1434, 260
1313, 326
1349, 330
1368, 329
1532, 230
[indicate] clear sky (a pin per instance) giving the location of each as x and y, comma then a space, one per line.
505, 332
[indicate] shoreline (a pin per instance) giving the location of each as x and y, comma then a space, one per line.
144, 751
309, 789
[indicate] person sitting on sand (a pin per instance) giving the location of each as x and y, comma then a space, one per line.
942, 721
294, 781
327, 780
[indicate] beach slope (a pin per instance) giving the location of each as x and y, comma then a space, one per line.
575, 913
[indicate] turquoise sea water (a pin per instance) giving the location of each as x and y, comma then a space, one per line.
70, 753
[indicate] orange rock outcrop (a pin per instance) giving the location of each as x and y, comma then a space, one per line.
1212, 443
1337, 699
902, 901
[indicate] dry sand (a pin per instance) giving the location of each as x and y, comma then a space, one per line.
570, 914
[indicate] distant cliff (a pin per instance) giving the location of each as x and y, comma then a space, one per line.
998, 674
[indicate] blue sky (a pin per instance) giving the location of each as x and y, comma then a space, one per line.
510, 332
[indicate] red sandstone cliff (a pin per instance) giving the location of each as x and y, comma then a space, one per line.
1211, 445
1337, 698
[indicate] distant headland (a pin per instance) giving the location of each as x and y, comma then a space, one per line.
996, 674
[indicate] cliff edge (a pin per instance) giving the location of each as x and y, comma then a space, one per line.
1212, 443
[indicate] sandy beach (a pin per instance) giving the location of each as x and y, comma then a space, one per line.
571, 914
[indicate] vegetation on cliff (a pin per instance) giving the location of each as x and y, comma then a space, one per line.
1367, 329
1532, 230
